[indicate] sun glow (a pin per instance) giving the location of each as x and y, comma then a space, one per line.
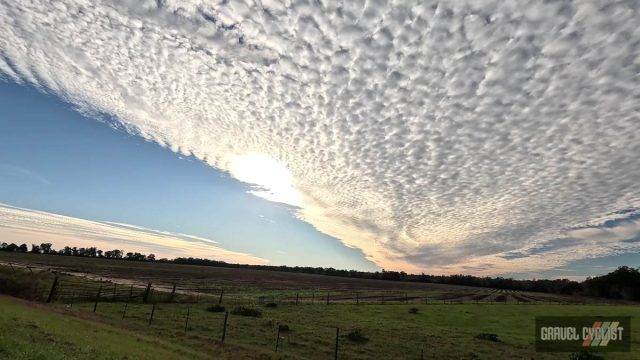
271, 179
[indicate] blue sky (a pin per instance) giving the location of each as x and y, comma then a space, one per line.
54, 159
418, 136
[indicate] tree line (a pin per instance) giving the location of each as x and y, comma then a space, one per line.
623, 283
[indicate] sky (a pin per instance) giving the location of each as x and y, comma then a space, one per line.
481, 137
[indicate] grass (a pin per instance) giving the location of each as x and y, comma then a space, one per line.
393, 329
28, 331
445, 331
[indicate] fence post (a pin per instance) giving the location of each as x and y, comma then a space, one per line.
124, 310
73, 299
186, 321
357, 298
145, 296
115, 291
173, 292
95, 305
422, 354
297, 298
224, 327
153, 310
53, 290
220, 299
278, 337
12, 268
335, 355
327, 298
313, 297
130, 292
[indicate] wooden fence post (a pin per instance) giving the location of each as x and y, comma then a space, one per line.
357, 298
327, 298
124, 310
335, 354
145, 296
153, 310
95, 306
220, 299
53, 290
224, 327
130, 292
186, 321
115, 290
313, 297
173, 292
297, 298
278, 337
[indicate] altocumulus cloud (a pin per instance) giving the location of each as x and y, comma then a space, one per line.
435, 136
23, 225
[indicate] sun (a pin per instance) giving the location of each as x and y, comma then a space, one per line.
271, 178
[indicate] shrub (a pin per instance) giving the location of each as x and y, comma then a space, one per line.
585, 355
487, 336
413, 310
357, 336
216, 308
246, 311
26, 285
271, 305
284, 328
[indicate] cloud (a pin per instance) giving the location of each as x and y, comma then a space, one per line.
29, 226
433, 136
20, 173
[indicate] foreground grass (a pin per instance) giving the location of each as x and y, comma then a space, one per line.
36, 331
441, 331
28, 331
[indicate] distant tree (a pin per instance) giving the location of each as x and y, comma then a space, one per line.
91, 252
12, 247
623, 283
151, 257
23, 248
35, 249
99, 253
45, 248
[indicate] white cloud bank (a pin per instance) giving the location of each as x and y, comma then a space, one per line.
19, 225
431, 135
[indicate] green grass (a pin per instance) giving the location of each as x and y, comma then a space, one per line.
29, 332
444, 331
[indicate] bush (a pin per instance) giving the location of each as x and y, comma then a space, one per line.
216, 308
413, 310
284, 328
585, 355
487, 336
271, 305
246, 311
357, 336
24, 284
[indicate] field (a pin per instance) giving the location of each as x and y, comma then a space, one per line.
299, 314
